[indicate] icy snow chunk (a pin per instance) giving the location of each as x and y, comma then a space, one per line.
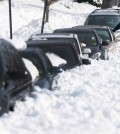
55, 59
18, 43
31, 68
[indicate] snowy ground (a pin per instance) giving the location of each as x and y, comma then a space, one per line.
85, 100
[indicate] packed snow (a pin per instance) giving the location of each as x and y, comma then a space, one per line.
84, 100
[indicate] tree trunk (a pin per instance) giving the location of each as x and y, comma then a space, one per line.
49, 2
118, 3
109, 3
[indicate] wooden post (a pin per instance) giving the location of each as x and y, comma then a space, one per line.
10, 18
44, 13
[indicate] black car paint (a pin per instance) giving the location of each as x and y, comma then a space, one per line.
66, 49
15, 79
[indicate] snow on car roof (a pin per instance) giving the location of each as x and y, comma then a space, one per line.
109, 11
18, 43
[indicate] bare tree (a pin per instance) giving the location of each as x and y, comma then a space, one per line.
49, 2
109, 3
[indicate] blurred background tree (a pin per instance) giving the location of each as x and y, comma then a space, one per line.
109, 3
102, 3
93, 2
49, 2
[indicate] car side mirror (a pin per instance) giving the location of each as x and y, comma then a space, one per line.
86, 51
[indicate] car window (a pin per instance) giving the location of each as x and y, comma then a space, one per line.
87, 38
104, 34
106, 20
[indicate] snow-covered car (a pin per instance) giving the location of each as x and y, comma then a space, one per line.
15, 79
66, 49
83, 52
105, 17
46, 71
105, 33
92, 40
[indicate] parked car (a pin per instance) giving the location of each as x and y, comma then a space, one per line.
83, 52
43, 65
66, 49
15, 80
105, 17
105, 33
92, 40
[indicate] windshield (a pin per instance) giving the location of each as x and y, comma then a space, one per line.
105, 20
88, 39
104, 34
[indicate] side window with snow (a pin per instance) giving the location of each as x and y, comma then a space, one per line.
35, 60
12, 62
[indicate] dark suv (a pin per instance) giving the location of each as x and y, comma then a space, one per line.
15, 80
66, 49
107, 17
83, 52
103, 31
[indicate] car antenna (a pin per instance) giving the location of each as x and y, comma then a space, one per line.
10, 18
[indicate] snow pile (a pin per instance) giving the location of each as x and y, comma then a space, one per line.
32, 69
18, 43
55, 59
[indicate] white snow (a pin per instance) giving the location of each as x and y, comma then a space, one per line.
32, 69
55, 59
85, 100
